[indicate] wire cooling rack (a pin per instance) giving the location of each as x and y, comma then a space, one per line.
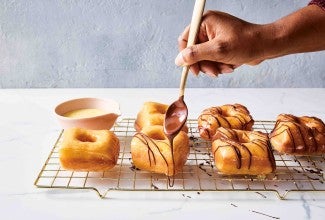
293, 173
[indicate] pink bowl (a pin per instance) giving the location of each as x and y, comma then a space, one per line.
101, 122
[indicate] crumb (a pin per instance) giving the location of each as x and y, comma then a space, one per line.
264, 196
155, 187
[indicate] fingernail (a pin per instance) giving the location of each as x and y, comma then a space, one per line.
211, 74
228, 70
179, 61
196, 74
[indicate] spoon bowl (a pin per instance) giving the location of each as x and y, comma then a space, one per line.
175, 117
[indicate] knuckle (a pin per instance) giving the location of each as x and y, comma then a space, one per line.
180, 39
191, 54
223, 47
208, 12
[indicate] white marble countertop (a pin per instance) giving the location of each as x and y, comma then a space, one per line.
29, 129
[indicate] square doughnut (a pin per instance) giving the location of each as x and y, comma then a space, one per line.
89, 150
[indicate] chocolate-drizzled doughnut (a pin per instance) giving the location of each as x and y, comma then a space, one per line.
234, 116
151, 151
242, 152
298, 135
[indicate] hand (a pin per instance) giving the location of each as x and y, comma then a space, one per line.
224, 42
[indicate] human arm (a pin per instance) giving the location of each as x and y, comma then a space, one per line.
226, 42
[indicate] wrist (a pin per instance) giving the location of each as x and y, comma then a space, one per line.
273, 41
266, 41
299, 32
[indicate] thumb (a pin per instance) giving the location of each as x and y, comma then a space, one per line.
193, 54
255, 62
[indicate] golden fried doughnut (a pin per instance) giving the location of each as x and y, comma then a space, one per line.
152, 113
242, 152
298, 135
151, 151
227, 116
89, 150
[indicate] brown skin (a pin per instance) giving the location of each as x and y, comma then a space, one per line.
226, 42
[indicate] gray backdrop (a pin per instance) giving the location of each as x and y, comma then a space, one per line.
130, 43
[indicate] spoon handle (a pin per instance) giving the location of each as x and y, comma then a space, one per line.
195, 24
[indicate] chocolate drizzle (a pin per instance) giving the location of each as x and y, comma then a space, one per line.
171, 142
222, 117
146, 140
302, 128
289, 132
150, 144
270, 155
232, 140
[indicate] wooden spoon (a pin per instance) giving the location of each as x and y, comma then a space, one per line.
177, 112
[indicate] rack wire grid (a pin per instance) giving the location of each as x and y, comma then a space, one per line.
293, 173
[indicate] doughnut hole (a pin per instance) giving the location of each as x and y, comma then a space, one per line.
157, 136
161, 109
155, 132
84, 137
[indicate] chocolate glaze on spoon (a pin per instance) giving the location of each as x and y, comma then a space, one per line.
175, 118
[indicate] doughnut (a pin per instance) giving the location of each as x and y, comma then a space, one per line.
152, 113
298, 135
151, 151
242, 152
234, 116
88, 150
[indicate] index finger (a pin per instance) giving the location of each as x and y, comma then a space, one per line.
182, 39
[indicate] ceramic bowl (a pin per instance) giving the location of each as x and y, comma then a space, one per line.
101, 122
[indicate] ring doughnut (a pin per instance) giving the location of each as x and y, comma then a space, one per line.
298, 135
234, 116
242, 152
